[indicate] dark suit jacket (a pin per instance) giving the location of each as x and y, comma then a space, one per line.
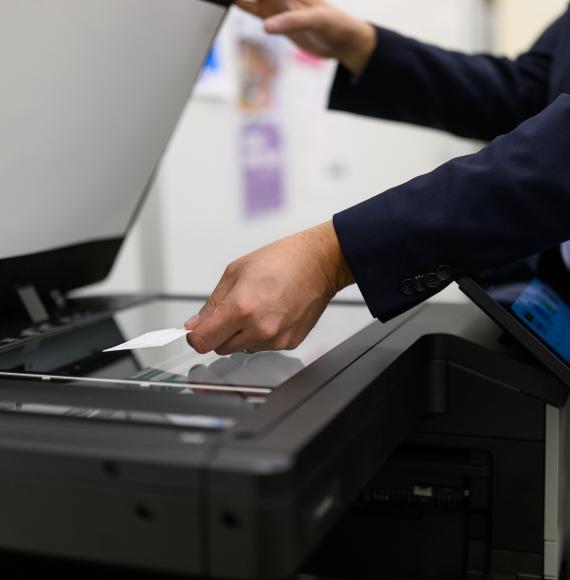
508, 201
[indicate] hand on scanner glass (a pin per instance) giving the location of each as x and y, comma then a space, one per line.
319, 28
271, 298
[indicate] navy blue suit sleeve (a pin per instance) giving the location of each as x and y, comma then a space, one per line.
476, 96
508, 201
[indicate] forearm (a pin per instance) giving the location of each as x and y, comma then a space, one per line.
323, 245
504, 203
476, 96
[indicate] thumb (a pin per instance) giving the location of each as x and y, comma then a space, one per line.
294, 21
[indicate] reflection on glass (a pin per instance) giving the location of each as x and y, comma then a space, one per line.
175, 419
78, 353
263, 369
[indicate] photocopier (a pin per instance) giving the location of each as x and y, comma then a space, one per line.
432, 447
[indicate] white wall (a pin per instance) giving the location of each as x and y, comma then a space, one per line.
519, 22
193, 224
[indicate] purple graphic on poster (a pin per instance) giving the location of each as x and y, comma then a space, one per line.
262, 166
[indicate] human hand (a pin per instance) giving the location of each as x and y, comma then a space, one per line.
271, 298
319, 28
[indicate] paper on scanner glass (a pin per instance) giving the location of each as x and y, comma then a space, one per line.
154, 338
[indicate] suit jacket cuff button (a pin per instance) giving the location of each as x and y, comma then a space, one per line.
444, 273
420, 284
433, 281
407, 287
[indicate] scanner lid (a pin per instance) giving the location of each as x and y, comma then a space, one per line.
91, 93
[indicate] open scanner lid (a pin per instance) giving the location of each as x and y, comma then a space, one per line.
91, 93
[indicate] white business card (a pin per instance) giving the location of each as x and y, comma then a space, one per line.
152, 339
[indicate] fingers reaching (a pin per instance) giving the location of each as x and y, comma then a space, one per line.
270, 299
294, 21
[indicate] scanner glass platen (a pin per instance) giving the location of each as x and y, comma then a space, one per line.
78, 353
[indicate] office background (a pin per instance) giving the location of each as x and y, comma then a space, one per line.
195, 220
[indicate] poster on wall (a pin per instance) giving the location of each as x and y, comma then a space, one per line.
260, 142
262, 166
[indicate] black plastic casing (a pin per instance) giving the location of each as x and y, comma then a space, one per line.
255, 501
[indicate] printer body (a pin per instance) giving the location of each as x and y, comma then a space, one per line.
478, 488
424, 448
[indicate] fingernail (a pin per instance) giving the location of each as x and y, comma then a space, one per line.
191, 321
